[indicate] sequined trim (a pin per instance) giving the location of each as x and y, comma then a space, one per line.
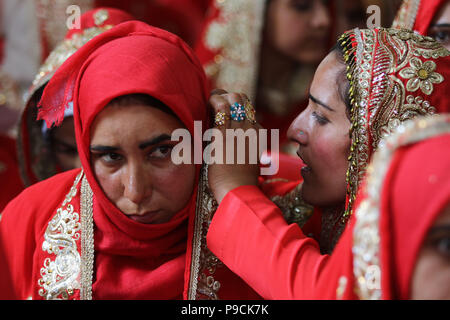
87, 240
236, 37
60, 277
366, 233
61, 53
342, 285
379, 99
406, 15
202, 284
294, 208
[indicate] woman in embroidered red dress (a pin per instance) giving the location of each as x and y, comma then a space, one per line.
430, 18
125, 226
394, 76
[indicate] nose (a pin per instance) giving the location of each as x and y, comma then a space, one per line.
136, 184
297, 130
321, 16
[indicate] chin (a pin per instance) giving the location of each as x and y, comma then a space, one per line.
317, 198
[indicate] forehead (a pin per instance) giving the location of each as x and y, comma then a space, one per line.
327, 80
132, 122
443, 16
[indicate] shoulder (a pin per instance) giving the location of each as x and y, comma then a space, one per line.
40, 200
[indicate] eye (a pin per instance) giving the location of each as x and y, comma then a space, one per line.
161, 152
111, 157
443, 245
301, 5
440, 34
320, 119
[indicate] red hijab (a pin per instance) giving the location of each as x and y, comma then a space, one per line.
417, 15
132, 260
35, 158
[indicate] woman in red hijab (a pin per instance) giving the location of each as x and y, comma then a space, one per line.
44, 152
393, 76
430, 18
127, 225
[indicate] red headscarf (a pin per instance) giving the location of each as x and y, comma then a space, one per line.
417, 15
131, 58
36, 161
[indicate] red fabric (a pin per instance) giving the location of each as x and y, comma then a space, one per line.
115, 17
426, 13
22, 226
416, 189
248, 229
181, 17
9, 171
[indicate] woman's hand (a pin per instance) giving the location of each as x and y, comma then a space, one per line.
225, 177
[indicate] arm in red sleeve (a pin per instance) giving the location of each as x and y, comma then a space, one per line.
249, 234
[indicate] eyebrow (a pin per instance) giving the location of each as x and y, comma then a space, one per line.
438, 229
444, 25
153, 141
143, 145
317, 101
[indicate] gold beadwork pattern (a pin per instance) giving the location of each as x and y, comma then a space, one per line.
202, 285
376, 60
61, 53
421, 75
60, 277
293, 207
100, 17
236, 36
406, 15
366, 234
87, 240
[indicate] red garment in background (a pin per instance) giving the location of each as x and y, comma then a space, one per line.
426, 13
181, 17
9, 171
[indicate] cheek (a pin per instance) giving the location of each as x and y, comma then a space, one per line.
430, 273
332, 151
175, 185
110, 183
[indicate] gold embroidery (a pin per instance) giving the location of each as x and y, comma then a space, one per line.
236, 36
87, 240
61, 53
202, 284
406, 15
294, 208
378, 97
421, 75
101, 16
366, 236
342, 285
60, 276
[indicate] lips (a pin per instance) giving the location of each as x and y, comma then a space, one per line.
147, 217
306, 169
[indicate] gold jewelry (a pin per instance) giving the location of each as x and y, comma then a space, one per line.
220, 118
250, 112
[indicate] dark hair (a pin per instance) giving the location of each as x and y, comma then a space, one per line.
142, 99
342, 81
